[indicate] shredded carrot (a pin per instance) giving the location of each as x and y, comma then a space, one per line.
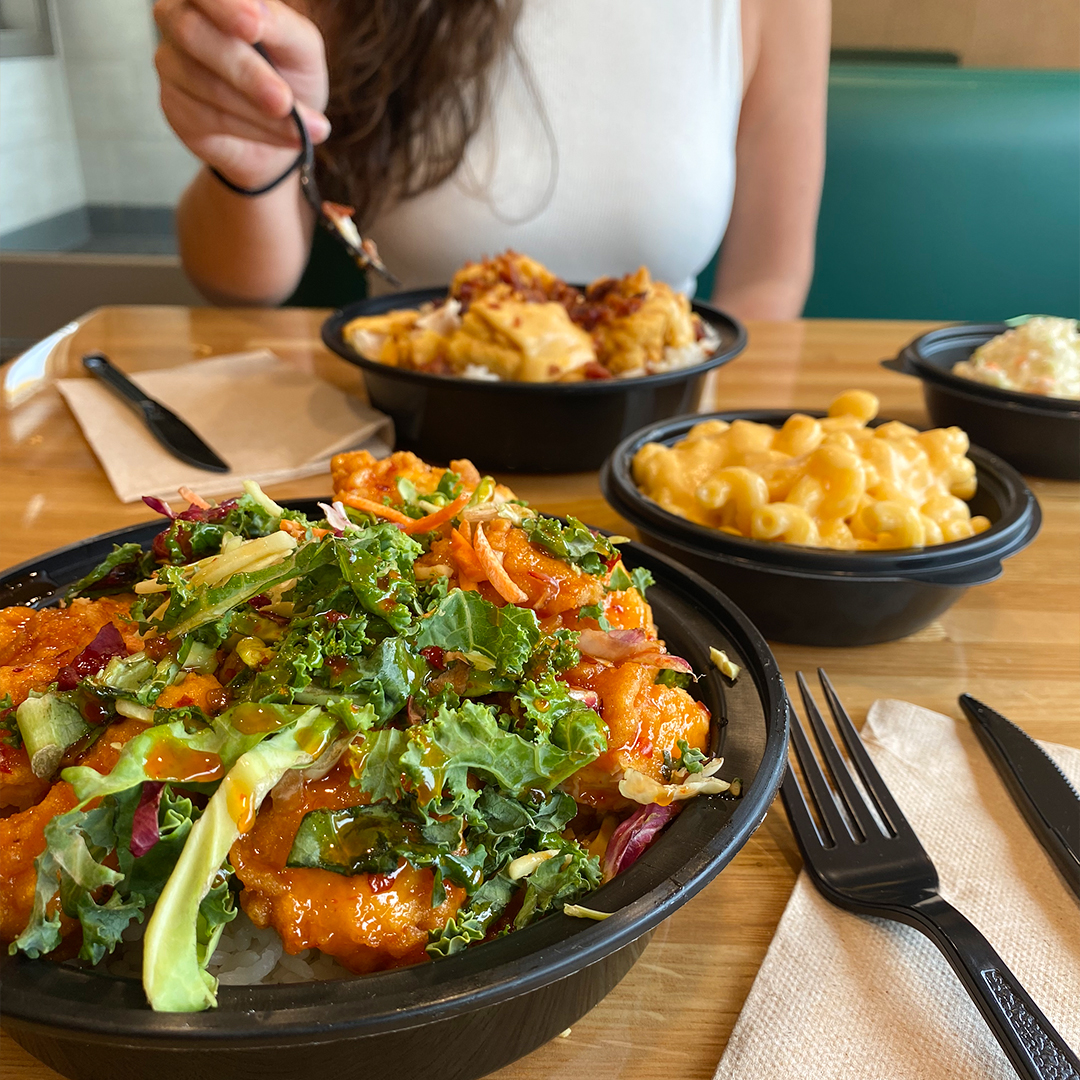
461, 551
378, 509
433, 521
466, 531
192, 498
496, 573
298, 532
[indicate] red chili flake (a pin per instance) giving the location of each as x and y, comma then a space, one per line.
435, 656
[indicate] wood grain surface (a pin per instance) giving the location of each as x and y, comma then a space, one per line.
1014, 643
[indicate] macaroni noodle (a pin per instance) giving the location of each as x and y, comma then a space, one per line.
832, 482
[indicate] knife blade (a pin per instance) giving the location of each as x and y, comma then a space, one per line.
1039, 788
164, 425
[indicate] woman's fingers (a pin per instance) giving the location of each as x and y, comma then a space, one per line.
296, 48
228, 104
180, 71
238, 18
197, 123
233, 60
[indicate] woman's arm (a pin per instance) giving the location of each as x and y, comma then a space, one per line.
231, 109
767, 259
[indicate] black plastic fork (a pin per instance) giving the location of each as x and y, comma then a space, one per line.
866, 858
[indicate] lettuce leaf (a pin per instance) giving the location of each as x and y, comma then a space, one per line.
559, 880
177, 944
372, 839
491, 638
117, 572
575, 542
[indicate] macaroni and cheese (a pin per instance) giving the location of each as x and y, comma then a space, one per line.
832, 483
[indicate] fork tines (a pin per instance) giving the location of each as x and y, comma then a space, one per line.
861, 822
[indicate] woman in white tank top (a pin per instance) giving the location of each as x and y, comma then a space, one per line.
600, 135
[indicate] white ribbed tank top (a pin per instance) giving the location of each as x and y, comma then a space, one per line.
610, 143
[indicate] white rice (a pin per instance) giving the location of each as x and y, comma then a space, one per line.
246, 955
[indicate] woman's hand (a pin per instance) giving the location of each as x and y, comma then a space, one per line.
225, 102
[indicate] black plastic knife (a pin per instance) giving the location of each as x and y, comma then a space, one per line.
165, 426
1038, 787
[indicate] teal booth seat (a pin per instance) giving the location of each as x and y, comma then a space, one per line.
950, 193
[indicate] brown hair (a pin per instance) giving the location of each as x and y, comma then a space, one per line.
408, 88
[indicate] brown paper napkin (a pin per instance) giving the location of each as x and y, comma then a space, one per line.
266, 418
857, 998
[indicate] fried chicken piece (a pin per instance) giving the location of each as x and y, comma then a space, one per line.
524, 340
367, 921
633, 319
34, 646
360, 473
22, 835
644, 719
407, 338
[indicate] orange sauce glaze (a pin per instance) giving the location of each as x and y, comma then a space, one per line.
34, 645
173, 760
190, 690
22, 836
368, 922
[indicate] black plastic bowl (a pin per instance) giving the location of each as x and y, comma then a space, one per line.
815, 596
462, 1017
1039, 435
517, 426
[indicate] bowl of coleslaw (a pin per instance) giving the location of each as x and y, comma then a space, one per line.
1012, 388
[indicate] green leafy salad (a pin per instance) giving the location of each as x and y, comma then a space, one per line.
309, 644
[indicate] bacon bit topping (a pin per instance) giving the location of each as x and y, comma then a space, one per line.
378, 509
493, 567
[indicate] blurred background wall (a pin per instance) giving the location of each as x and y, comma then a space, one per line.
982, 33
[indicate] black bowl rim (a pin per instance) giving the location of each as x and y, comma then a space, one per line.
478, 978
1014, 530
919, 353
332, 335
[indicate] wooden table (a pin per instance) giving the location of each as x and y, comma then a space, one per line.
1016, 642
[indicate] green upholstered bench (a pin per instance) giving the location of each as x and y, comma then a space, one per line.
950, 193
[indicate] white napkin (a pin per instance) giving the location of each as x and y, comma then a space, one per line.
840, 995
266, 418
